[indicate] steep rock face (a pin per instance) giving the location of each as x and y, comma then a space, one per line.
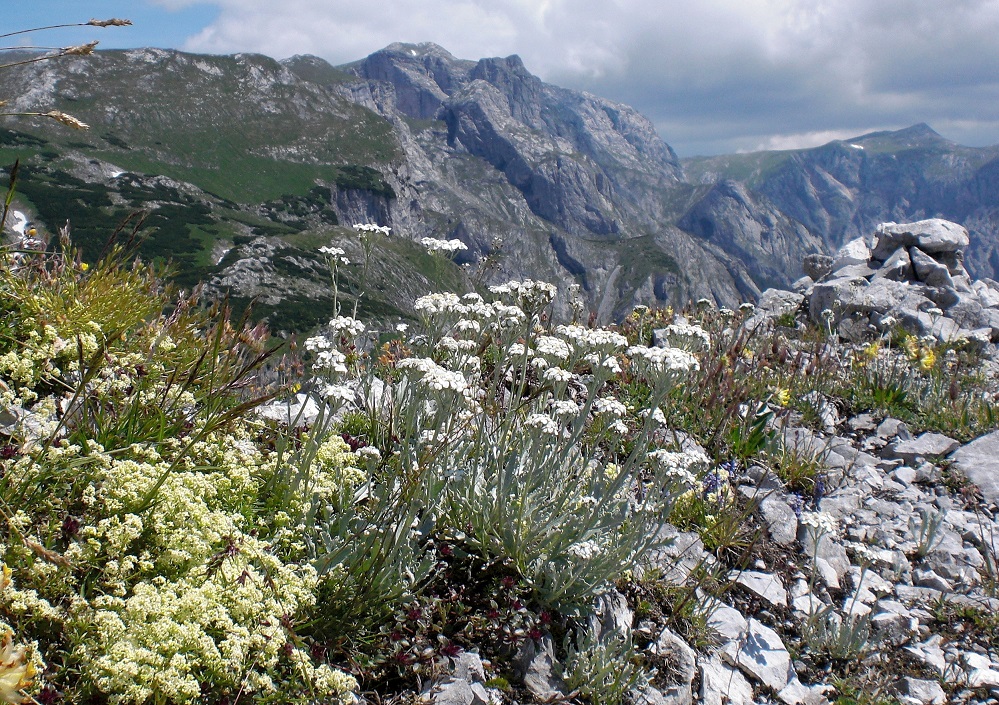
492, 152
770, 244
844, 189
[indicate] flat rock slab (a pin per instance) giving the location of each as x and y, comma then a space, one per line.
933, 236
763, 655
723, 685
926, 445
766, 585
979, 462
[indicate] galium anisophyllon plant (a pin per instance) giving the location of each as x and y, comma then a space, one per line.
140, 542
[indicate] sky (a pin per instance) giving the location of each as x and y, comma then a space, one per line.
714, 76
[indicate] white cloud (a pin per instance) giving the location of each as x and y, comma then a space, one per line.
767, 71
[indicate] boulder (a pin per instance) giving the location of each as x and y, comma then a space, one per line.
979, 462
679, 666
817, 266
723, 685
932, 236
854, 252
925, 445
774, 302
766, 585
928, 270
535, 663
897, 267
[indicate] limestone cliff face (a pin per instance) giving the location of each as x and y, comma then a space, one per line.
843, 190
579, 189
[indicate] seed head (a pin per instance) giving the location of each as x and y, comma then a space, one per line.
80, 50
67, 120
113, 22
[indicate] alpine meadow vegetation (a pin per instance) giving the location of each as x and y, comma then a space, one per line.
194, 512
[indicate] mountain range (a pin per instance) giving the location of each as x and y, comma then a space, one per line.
243, 166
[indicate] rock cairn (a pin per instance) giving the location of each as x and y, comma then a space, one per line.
911, 275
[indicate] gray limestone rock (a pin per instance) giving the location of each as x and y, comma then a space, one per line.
775, 302
898, 267
979, 462
535, 664
926, 445
458, 691
468, 666
817, 266
763, 656
922, 692
861, 269
928, 270
967, 312
723, 685
797, 693
933, 236
834, 295
854, 252
298, 412
684, 554
679, 666
893, 428
611, 616
987, 296
766, 585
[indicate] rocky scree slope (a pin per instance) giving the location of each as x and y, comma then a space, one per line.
879, 586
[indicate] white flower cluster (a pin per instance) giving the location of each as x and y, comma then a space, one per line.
543, 423
552, 348
660, 360
681, 467
371, 228
433, 375
821, 522
346, 326
438, 303
687, 336
584, 550
531, 295
446, 246
610, 406
587, 340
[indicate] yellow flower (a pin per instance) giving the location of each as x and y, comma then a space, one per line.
16, 672
782, 396
927, 358
84, 266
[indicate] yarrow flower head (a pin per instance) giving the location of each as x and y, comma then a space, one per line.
821, 522
433, 375
372, 229
448, 247
687, 337
529, 294
347, 326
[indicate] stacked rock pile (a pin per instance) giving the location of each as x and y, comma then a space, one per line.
912, 275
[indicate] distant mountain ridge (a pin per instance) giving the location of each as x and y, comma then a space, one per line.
581, 190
